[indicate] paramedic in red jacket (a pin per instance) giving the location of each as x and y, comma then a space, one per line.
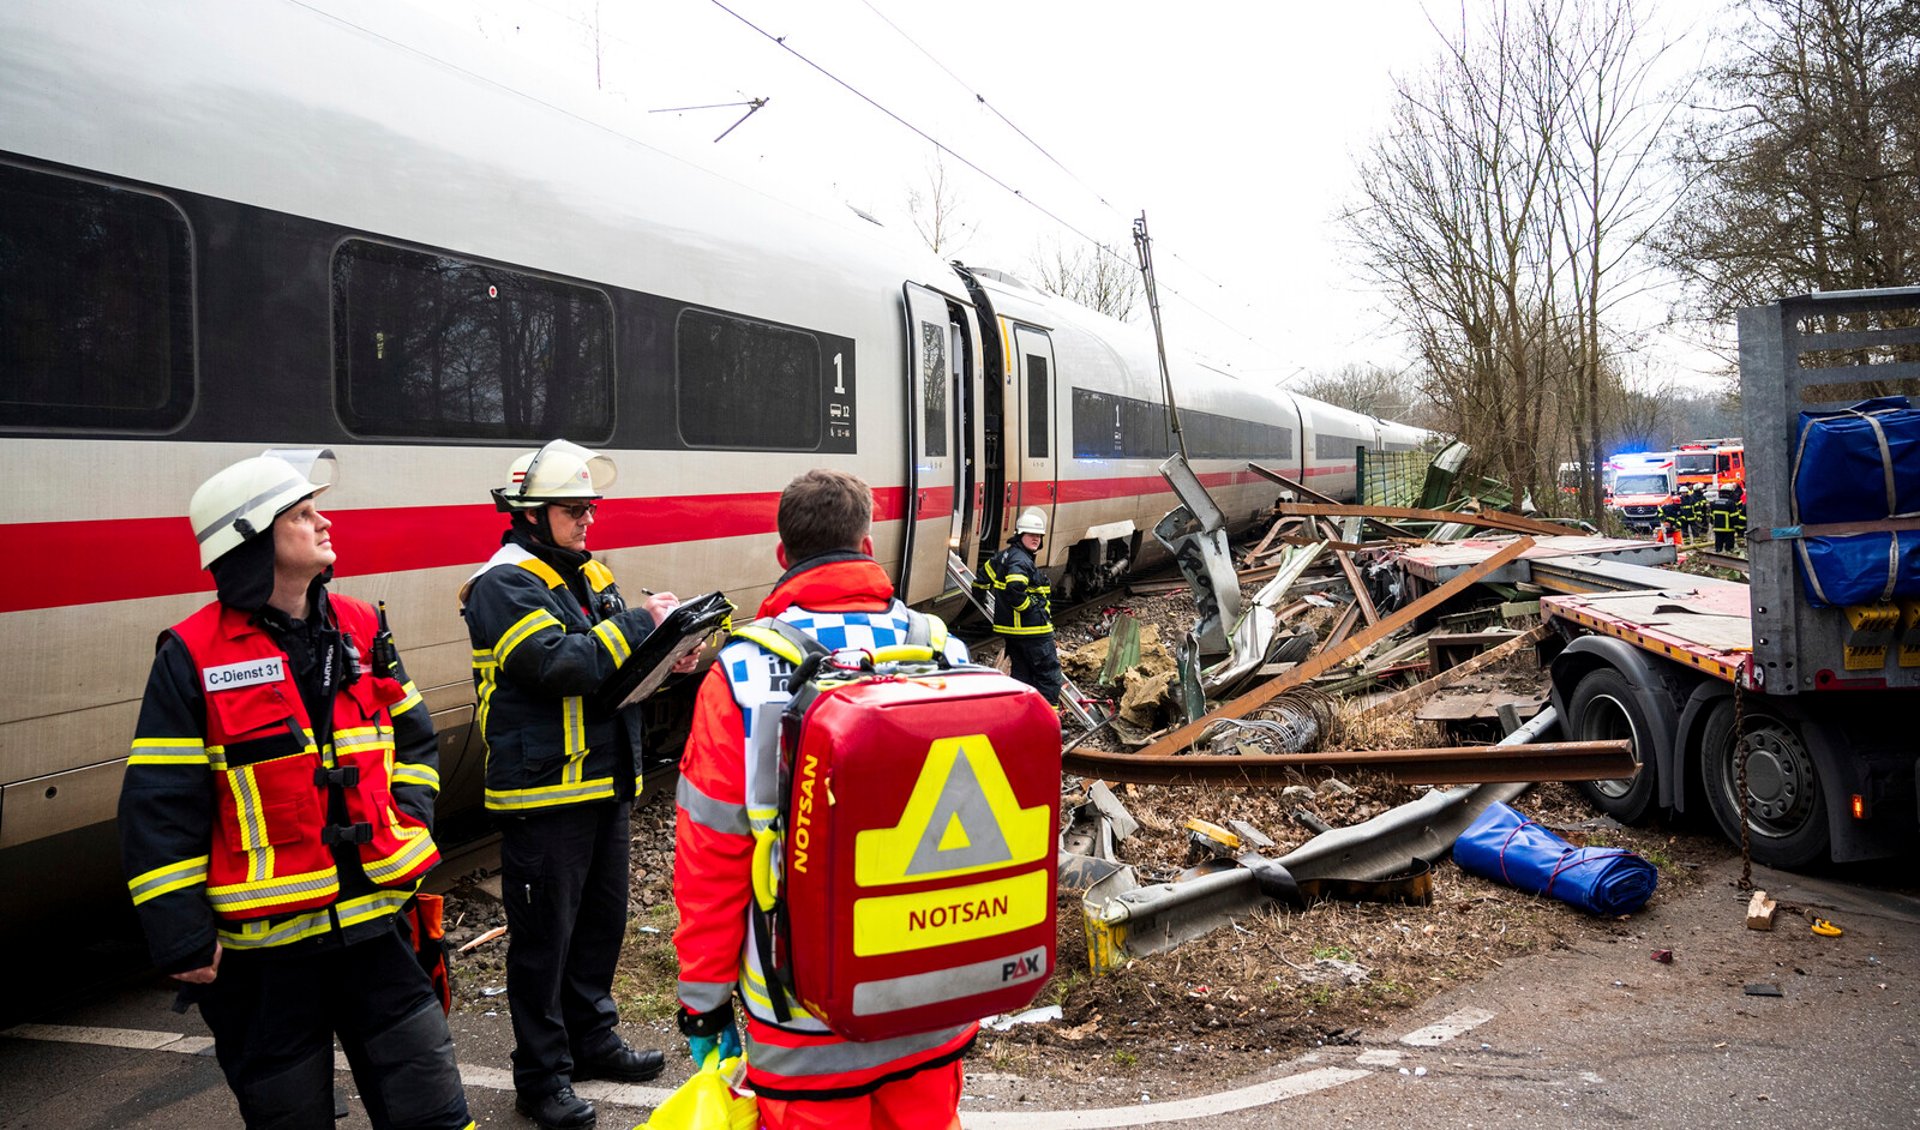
277, 814
805, 1076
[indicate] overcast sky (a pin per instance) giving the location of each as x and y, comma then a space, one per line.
1233, 125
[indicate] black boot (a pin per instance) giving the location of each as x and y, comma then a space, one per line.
621, 1064
561, 1110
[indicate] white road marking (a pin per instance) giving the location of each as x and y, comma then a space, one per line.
1200, 1106
1466, 1020
136, 1038
1378, 1057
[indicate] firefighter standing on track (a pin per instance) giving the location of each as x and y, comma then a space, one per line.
548, 627
277, 814
1697, 512
804, 1075
1723, 521
1021, 613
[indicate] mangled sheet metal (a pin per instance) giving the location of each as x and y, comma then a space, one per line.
1387, 858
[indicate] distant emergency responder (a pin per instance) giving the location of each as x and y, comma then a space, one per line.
1670, 516
277, 815
1740, 515
804, 1075
548, 627
1697, 512
1723, 504
1021, 614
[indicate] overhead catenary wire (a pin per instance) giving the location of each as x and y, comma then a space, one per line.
1100, 247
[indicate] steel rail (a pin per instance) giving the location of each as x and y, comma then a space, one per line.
1549, 761
1724, 561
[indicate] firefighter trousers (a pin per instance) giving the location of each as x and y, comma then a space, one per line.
1036, 663
564, 878
274, 1017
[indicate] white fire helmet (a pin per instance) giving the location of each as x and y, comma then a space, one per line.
1032, 521
559, 472
242, 501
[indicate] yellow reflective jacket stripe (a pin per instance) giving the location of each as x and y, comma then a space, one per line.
613, 639
239, 897
537, 620
543, 796
152, 884
168, 751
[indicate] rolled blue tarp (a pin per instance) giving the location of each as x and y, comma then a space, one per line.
1506, 846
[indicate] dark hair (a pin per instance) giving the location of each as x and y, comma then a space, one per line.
824, 510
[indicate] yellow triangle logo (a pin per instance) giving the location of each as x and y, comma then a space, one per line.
961, 818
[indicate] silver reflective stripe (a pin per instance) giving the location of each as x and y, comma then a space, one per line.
708, 812
225, 520
704, 996
870, 998
832, 1059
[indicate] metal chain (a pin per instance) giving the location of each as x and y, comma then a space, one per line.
1740, 800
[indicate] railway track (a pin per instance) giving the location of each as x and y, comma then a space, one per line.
1724, 561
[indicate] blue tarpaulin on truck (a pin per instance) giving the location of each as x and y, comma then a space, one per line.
1506, 846
1859, 464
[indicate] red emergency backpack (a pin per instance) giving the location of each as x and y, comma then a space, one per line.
919, 826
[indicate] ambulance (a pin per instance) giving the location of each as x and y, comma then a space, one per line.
1643, 484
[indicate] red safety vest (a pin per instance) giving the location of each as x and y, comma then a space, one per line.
272, 843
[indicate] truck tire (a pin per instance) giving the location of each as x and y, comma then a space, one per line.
1785, 811
1603, 707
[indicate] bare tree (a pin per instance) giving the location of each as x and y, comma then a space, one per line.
1100, 277
1498, 212
1386, 393
937, 211
1805, 172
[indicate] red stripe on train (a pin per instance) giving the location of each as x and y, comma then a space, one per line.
138, 558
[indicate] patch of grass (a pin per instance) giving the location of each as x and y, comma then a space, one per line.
1061, 987
647, 981
1332, 953
1125, 1058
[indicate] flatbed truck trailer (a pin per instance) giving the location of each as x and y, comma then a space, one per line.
1800, 721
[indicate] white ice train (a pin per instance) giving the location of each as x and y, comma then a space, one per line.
233, 224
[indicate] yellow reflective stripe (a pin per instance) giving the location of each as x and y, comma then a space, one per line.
537, 620
614, 639
260, 935
246, 799
408, 703
754, 988
408, 773
541, 570
1012, 577
352, 912
573, 725
1042, 630
250, 895
362, 738
152, 884
400, 863
183, 751
545, 795
771, 640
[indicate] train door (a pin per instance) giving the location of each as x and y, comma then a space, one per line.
935, 492
1031, 400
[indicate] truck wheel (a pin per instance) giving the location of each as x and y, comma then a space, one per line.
1603, 708
1786, 814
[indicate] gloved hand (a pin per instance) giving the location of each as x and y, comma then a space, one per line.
710, 1032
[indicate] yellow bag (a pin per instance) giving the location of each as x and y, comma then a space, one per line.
708, 1101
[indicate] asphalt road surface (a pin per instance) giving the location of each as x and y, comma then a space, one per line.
1595, 1035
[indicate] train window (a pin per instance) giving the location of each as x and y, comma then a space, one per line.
1038, 426
431, 346
1326, 445
1110, 426
96, 306
933, 392
750, 385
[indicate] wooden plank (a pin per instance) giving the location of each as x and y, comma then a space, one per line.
1272, 531
1349, 616
1353, 575
1330, 657
1305, 491
1454, 675
1511, 523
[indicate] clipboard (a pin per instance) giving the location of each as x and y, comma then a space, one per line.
685, 630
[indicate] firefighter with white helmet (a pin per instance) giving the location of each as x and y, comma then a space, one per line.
277, 817
549, 627
1022, 616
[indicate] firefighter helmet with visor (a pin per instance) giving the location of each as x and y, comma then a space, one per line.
559, 472
1032, 521
241, 501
